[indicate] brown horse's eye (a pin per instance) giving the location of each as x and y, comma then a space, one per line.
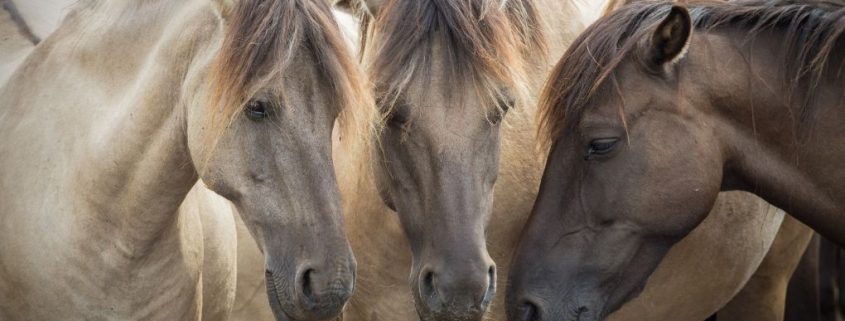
601, 146
256, 109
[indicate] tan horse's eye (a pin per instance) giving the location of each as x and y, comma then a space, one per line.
256, 109
501, 110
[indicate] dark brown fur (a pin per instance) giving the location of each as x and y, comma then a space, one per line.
811, 32
654, 111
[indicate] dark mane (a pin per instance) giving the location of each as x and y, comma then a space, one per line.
261, 38
485, 43
810, 31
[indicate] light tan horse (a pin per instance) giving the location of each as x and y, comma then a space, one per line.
250, 297
380, 238
105, 130
216, 213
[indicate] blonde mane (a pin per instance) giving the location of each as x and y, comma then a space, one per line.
484, 43
261, 38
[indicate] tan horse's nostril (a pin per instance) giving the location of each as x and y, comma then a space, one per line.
491, 287
306, 288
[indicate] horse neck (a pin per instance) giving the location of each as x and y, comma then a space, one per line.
781, 144
130, 167
144, 150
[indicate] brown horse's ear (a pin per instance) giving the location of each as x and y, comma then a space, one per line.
224, 8
671, 38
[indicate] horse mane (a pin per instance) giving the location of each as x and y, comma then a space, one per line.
484, 43
261, 38
811, 30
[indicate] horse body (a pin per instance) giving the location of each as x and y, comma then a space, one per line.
764, 297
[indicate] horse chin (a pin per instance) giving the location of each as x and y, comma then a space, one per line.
473, 315
478, 317
275, 300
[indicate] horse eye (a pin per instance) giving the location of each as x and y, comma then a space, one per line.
501, 110
256, 109
601, 146
398, 116
497, 116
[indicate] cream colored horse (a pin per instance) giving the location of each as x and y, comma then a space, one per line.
95, 131
216, 213
251, 298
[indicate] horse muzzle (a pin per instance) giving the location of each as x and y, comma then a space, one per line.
314, 295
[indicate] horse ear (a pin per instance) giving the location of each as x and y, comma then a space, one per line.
224, 8
671, 38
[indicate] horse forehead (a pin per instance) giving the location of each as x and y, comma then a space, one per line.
438, 87
302, 69
441, 104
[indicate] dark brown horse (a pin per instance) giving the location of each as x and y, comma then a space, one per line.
652, 112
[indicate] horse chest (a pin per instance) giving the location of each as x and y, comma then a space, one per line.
96, 278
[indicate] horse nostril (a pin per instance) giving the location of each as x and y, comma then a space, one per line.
580, 311
427, 286
307, 286
528, 312
491, 287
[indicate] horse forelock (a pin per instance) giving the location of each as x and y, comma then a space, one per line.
261, 39
588, 65
484, 44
